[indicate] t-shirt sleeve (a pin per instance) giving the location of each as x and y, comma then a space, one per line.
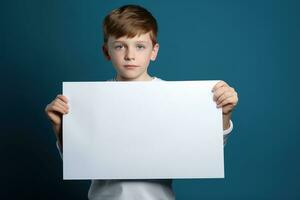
227, 132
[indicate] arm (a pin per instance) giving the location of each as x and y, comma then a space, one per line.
54, 111
227, 98
226, 121
227, 132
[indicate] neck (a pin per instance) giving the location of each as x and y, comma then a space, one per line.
146, 77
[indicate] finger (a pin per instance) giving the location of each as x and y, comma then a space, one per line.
219, 84
61, 107
220, 91
54, 117
224, 95
227, 109
224, 100
63, 98
65, 105
57, 108
230, 100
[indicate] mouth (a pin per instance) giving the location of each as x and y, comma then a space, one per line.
130, 66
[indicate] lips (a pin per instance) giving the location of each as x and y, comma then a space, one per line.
130, 66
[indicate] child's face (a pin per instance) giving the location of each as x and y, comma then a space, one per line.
137, 52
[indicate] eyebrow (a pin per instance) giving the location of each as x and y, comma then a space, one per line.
140, 41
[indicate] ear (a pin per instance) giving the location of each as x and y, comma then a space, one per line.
154, 51
105, 51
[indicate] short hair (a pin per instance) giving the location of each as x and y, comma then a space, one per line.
130, 20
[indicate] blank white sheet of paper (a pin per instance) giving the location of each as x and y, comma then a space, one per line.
142, 130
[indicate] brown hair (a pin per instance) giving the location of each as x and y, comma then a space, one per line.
129, 20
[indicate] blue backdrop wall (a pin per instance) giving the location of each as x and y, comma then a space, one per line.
252, 45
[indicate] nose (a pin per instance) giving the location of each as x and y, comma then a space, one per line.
129, 55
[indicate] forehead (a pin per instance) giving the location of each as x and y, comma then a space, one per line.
138, 38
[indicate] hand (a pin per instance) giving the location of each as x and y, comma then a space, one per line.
54, 111
225, 97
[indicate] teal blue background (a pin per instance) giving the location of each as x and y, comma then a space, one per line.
252, 45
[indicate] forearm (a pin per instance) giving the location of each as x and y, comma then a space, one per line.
57, 130
226, 121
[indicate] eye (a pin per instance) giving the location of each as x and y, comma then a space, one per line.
119, 46
140, 46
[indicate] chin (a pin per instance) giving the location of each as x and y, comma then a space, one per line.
130, 76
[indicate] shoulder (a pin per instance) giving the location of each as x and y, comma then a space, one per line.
158, 79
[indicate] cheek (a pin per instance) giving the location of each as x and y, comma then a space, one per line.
116, 58
146, 57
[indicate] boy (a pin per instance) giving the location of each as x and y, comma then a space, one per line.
130, 42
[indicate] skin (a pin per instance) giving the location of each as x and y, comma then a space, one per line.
137, 51
131, 51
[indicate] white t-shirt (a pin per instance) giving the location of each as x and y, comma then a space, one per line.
154, 189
